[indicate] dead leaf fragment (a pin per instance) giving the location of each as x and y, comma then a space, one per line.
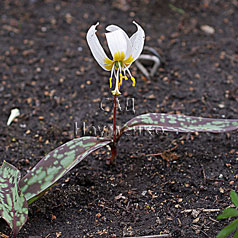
196, 220
120, 196
14, 113
4, 236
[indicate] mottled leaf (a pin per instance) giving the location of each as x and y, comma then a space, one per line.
13, 205
228, 229
57, 163
228, 212
234, 198
179, 123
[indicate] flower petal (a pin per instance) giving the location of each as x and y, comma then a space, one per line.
117, 42
112, 28
96, 47
137, 41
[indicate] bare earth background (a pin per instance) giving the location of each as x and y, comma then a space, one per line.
47, 71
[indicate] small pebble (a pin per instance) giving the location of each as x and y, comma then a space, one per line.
208, 29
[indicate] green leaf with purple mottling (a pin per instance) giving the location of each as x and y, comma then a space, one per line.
56, 164
13, 205
179, 123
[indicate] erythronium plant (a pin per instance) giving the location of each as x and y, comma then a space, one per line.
124, 51
16, 194
13, 204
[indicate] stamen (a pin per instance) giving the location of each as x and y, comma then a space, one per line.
119, 68
124, 71
110, 79
110, 82
116, 90
121, 78
132, 78
133, 81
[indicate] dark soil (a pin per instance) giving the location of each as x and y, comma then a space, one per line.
48, 72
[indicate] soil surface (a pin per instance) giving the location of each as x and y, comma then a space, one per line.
165, 183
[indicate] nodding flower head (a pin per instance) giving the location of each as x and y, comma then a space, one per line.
124, 52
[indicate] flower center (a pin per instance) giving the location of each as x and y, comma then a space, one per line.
119, 65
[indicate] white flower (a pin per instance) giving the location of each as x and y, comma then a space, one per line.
124, 51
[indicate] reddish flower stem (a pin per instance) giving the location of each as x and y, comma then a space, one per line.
113, 146
114, 118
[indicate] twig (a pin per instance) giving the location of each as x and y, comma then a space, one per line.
202, 210
155, 58
213, 220
142, 69
204, 233
152, 58
211, 210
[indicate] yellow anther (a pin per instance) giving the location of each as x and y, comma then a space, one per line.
110, 82
121, 78
119, 63
133, 81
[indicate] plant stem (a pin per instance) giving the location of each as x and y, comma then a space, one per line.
113, 146
114, 118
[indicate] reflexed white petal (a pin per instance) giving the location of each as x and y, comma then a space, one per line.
137, 41
128, 52
95, 46
116, 42
113, 28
